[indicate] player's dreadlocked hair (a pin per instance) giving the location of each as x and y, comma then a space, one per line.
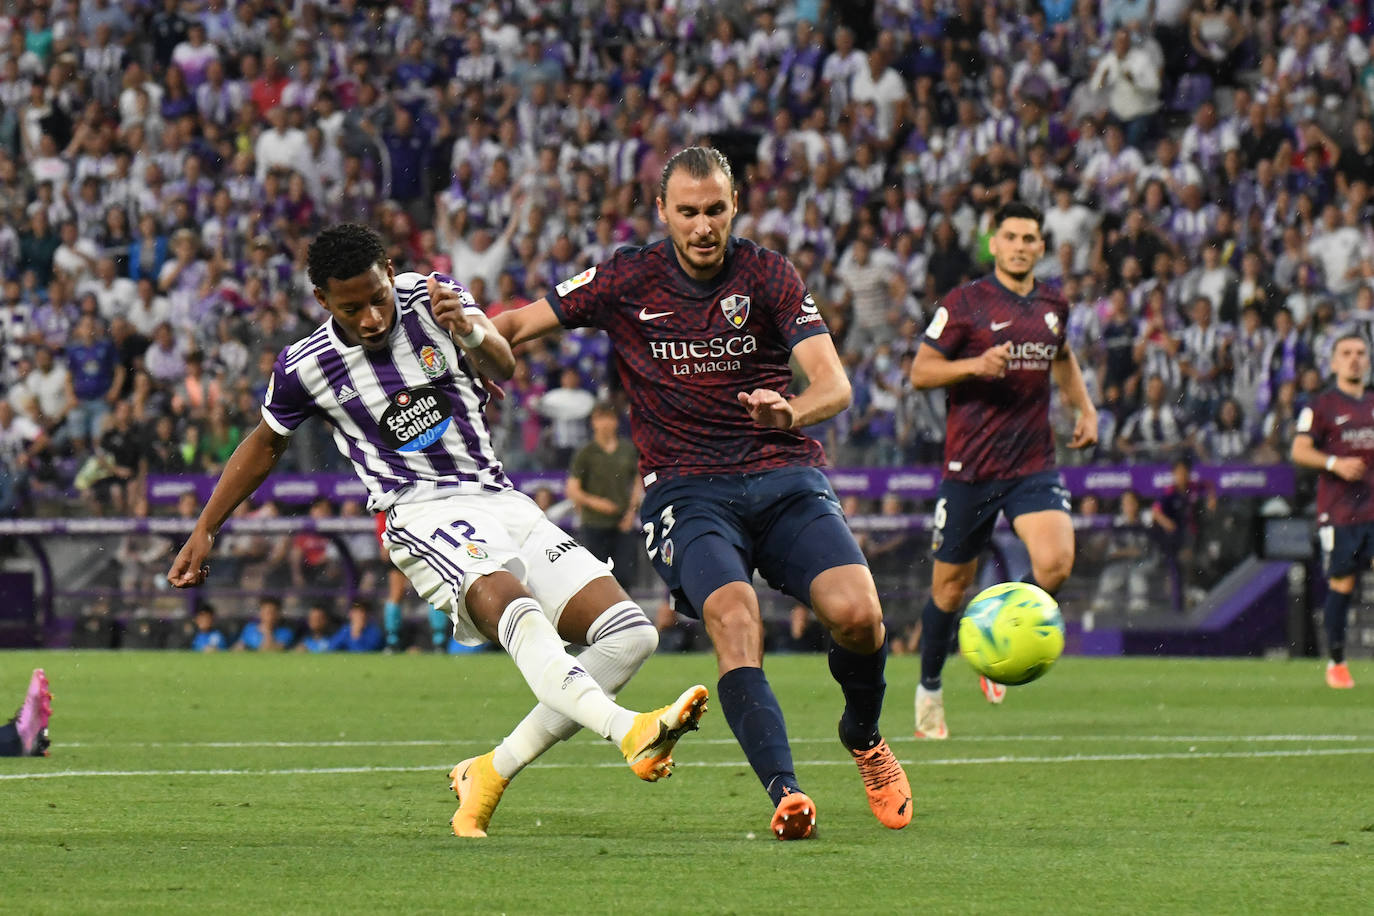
697, 161
1015, 209
344, 251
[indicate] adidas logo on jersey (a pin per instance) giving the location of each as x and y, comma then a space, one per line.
346, 394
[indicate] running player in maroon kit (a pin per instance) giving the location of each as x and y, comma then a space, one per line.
995, 344
703, 325
1336, 436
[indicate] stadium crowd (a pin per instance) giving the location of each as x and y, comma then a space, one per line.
1205, 169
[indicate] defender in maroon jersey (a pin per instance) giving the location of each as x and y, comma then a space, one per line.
703, 326
995, 344
1336, 436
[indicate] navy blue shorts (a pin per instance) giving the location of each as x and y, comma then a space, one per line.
719, 528
965, 513
1346, 549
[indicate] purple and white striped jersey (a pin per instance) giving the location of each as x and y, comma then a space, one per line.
409, 417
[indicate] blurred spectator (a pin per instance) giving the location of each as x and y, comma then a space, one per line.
1132, 561
319, 630
1155, 432
208, 636
1175, 521
567, 407
314, 557
604, 485
268, 633
1130, 79
359, 633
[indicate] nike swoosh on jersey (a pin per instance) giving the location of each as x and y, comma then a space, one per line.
1341, 421
999, 325
646, 315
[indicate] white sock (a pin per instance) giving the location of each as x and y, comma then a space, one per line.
620, 641
556, 678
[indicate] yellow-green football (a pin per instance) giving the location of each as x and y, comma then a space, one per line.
1012, 633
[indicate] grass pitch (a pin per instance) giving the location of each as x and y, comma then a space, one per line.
249, 784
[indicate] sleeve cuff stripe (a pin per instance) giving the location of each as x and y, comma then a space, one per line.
275, 423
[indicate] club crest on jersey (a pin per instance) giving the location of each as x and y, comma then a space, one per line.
416, 419
1052, 322
432, 361
666, 551
475, 551
736, 309
573, 283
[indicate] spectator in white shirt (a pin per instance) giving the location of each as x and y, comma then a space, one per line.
880, 84
281, 146
567, 407
1339, 246
48, 382
148, 309
1130, 79
114, 294
1069, 222
76, 257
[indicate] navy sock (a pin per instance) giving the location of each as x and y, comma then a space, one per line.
1333, 617
861, 679
10, 743
937, 633
756, 719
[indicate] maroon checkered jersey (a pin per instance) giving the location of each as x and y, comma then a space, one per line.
1343, 426
999, 429
685, 348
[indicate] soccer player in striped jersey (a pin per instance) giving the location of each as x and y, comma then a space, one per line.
995, 344
704, 325
397, 371
1336, 436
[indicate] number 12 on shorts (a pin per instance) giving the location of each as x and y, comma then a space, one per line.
465, 530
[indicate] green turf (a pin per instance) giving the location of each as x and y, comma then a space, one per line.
1110, 786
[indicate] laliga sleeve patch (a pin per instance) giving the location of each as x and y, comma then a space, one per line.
271, 386
937, 324
573, 283
1305, 420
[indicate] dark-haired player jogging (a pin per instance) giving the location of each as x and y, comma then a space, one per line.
703, 326
995, 344
397, 370
1336, 436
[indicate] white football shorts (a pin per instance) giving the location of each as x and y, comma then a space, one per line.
443, 545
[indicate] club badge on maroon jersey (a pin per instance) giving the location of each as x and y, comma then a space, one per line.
1052, 322
432, 361
736, 309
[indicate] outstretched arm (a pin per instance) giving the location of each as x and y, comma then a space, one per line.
247, 468
527, 323
827, 390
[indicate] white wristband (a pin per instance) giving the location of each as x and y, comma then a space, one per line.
473, 339
1330, 462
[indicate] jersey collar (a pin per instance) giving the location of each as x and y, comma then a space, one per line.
1020, 298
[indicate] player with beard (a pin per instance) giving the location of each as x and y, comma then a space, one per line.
996, 343
1336, 437
703, 326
